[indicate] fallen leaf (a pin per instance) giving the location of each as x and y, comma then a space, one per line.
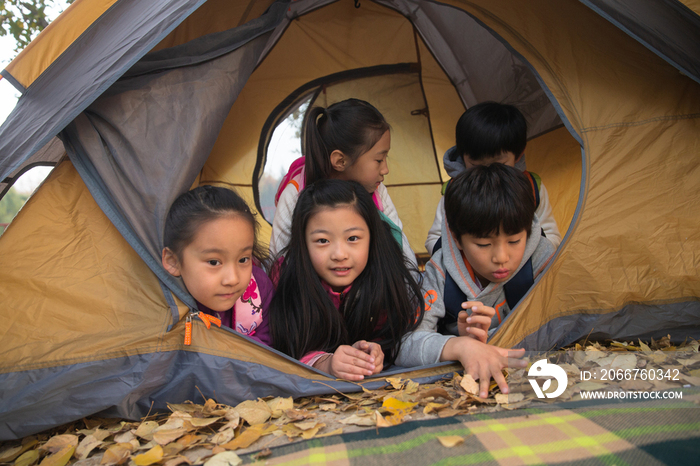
203, 421
145, 430
380, 421
448, 412
636, 385
86, 445
435, 392
509, 398
644, 346
163, 437
279, 405
124, 437
28, 458
311, 433
588, 385
254, 411
227, 458
411, 387
264, 453
450, 441
469, 384
209, 406
177, 461
223, 437
396, 406
196, 455
306, 425
9, 454
247, 438
430, 407
117, 454
395, 382
327, 406
358, 421
60, 457
154, 455
59, 442
328, 434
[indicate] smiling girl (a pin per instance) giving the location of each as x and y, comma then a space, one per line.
210, 241
349, 140
345, 298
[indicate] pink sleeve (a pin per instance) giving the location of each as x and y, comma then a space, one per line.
310, 358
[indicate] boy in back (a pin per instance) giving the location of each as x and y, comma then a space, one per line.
492, 250
488, 133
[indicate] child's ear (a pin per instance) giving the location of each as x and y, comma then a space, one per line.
170, 262
339, 162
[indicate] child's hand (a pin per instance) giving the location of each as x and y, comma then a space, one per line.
483, 361
352, 363
477, 325
375, 351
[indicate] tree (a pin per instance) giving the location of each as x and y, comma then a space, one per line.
25, 19
10, 205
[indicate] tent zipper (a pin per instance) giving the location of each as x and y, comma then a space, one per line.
206, 318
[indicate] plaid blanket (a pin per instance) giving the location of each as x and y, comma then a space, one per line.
596, 432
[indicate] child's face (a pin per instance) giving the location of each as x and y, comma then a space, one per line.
370, 168
217, 264
506, 158
338, 243
495, 258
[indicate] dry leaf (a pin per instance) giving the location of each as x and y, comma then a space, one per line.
435, 392
264, 453
358, 421
9, 454
177, 461
60, 457
163, 437
279, 405
86, 445
203, 421
196, 455
28, 458
254, 412
145, 430
223, 436
117, 454
328, 434
395, 382
430, 407
644, 346
306, 425
469, 384
450, 441
59, 442
380, 421
124, 437
509, 398
311, 433
327, 406
395, 406
154, 455
246, 439
227, 458
448, 412
209, 406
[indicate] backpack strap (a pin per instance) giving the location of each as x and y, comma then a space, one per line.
452, 297
535, 182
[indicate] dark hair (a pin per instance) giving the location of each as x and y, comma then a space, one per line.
202, 204
484, 199
302, 315
352, 126
489, 129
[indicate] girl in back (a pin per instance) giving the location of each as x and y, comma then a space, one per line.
344, 298
210, 241
350, 140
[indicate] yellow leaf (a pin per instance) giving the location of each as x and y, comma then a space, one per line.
59, 458
311, 433
411, 387
509, 398
306, 425
279, 405
227, 458
430, 407
10, 454
223, 437
358, 421
254, 412
154, 455
380, 421
59, 442
395, 382
86, 445
28, 458
209, 406
328, 434
117, 454
163, 437
177, 461
395, 406
246, 439
203, 421
470, 385
450, 441
145, 430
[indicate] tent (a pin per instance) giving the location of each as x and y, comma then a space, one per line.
136, 104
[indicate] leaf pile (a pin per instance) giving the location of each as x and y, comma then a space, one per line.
215, 434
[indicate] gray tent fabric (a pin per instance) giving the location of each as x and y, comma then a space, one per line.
116, 41
666, 27
136, 163
503, 76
